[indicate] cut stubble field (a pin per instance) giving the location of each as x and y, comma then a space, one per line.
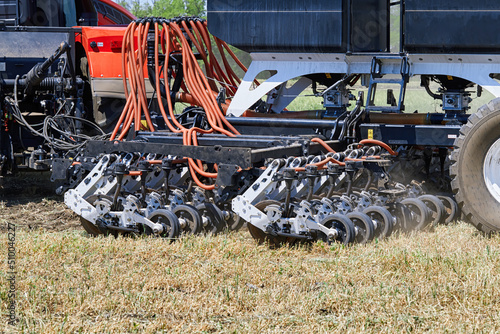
441, 281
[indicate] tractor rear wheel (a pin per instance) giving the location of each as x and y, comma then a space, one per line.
476, 168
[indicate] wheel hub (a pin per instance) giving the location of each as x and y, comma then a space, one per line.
491, 170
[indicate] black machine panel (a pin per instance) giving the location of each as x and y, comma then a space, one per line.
278, 26
300, 25
456, 26
369, 26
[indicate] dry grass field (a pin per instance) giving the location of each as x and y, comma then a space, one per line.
67, 282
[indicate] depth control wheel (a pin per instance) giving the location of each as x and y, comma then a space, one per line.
235, 222
363, 226
451, 209
189, 219
419, 214
401, 216
382, 221
168, 220
436, 208
212, 218
344, 227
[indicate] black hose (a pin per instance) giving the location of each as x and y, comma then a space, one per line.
369, 182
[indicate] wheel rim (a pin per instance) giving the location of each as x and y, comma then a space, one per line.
400, 215
213, 216
169, 222
345, 233
491, 167
451, 208
436, 209
363, 227
191, 217
159, 219
379, 223
383, 221
418, 214
342, 236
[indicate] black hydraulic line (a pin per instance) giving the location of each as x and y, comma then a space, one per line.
347, 123
425, 84
45, 83
36, 75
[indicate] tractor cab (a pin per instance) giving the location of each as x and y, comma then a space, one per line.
62, 13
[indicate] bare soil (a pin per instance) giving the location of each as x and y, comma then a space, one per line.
29, 200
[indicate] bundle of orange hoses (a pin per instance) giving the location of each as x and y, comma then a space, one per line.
199, 88
182, 36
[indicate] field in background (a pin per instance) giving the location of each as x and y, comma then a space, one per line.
441, 281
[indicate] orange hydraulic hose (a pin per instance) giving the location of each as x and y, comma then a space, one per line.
124, 58
206, 100
218, 73
121, 119
379, 143
322, 143
202, 53
142, 87
167, 90
321, 164
198, 88
227, 66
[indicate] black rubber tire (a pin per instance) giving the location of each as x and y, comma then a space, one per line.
194, 223
364, 225
437, 211
384, 221
478, 206
169, 221
451, 209
401, 217
216, 223
343, 225
420, 214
